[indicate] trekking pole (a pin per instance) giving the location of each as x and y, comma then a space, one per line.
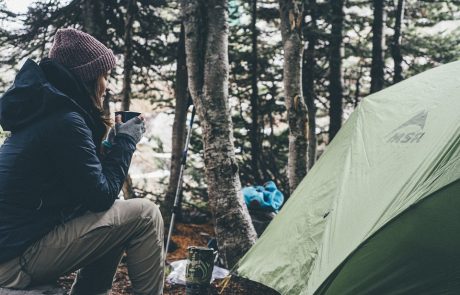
179, 184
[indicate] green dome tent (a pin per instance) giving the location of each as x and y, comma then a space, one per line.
380, 211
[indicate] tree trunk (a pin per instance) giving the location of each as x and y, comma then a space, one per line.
93, 13
128, 58
335, 68
179, 128
128, 190
255, 142
291, 12
206, 45
308, 83
396, 43
377, 48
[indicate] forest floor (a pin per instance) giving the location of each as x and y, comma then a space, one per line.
184, 235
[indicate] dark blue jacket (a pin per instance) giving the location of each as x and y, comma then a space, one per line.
50, 167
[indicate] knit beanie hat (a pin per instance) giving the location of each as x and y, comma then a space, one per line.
81, 53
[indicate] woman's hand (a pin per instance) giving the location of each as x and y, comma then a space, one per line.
134, 127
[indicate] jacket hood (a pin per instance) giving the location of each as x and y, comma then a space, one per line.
39, 90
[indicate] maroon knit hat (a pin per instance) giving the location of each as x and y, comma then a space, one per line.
81, 53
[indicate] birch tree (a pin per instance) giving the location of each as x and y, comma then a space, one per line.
291, 12
206, 45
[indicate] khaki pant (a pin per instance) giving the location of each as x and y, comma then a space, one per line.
94, 244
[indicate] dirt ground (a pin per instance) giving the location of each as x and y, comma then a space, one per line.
184, 235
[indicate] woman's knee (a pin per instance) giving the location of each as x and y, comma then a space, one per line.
147, 210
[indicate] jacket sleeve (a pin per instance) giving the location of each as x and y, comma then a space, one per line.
97, 184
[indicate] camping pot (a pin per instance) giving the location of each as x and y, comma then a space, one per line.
198, 272
126, 115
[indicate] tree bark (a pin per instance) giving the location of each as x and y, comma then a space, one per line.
377, 48
93, 13
335, 68
255, 142
291, 12
128, 190
128, 58
206, 45
309, 83
179, 127
396, 43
